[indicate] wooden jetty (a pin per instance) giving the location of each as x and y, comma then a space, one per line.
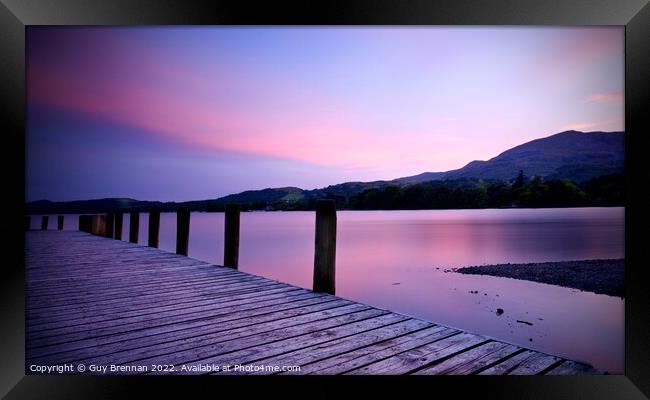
97, 302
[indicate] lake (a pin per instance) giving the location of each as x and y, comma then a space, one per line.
399, 260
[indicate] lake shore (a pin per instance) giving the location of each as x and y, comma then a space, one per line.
597, 276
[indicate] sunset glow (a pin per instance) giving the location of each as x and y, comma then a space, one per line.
178, 113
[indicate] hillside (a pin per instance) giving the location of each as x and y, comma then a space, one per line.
573, 155
570, 155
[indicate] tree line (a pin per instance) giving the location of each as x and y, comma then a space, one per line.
533, 192
521, 191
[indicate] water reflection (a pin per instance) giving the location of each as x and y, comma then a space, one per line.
397, 260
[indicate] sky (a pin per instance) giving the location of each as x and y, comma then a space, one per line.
190, 113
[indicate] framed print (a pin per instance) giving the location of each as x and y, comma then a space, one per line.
438, 191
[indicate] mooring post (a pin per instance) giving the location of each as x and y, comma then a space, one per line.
154, 227
44, 222
325, 247
59, 222
98, 225
94, 227
182, 230
119, 217
231, 236
89, 223
134, 226
28, 222
110, 225
85, 223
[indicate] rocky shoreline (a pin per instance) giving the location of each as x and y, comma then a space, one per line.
597, 276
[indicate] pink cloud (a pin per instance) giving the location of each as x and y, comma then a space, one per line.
197, 112
215, 104
616, 95
321, 133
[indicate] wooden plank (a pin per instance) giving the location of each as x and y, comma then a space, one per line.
125, 310
415, 359
258, 307
569, 367
327, 350
302, 304
122, 303
527, 363
116, 326
99, 293
182, 351
284, 341
361, 357
107, 295
472, 360
152, 263
144, 294
96, 300
190, 297
224, 327
90, 317
535, 365
188, 267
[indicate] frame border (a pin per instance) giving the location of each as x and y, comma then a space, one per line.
633, 14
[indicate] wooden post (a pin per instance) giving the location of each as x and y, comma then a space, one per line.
154, 227
325, 247
182, 230
110, 224
231, 236
59, 222
44, 222
119, 217
134, 226
94, 224
99, 225
85, 223
28, 222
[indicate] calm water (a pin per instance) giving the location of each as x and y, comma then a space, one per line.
396, 260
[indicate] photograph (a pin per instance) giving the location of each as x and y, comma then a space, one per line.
325, 200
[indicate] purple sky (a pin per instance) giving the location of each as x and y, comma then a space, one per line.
178, 113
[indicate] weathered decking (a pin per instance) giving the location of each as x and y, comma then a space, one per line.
97, 301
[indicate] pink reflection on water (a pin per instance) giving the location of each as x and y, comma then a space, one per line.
397, 260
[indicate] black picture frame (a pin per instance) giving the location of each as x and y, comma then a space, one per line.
633, 14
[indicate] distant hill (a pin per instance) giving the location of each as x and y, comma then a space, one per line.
89, 206
572, 155
423, 177
578, 156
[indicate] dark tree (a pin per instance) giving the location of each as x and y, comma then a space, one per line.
520, 181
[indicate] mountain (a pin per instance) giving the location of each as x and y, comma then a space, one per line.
423, 177
572, 155
272, 195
